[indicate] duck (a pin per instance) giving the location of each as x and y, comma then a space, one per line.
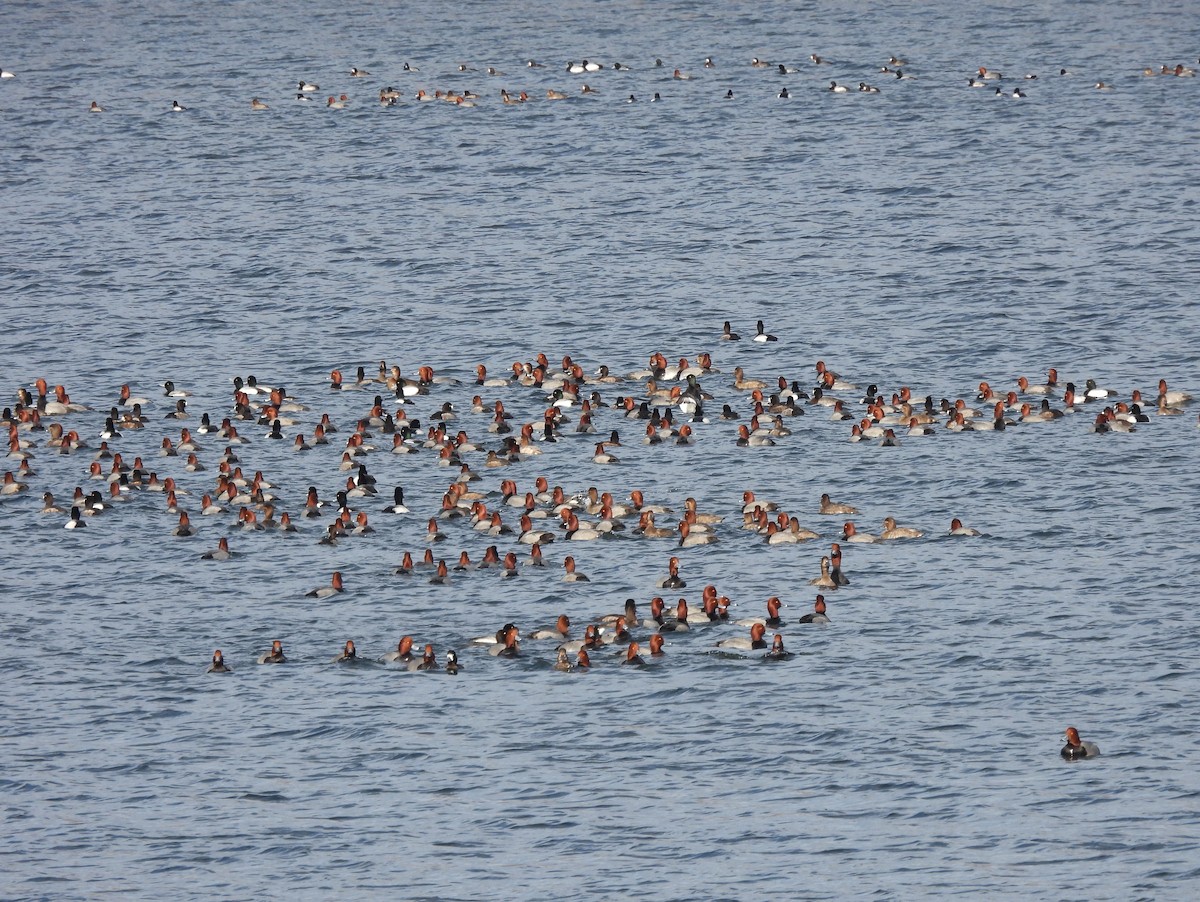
559, 632
777, 652
185, 528
256, 104
220, 553
727, 333
508, 647
563, 663
746, 643
689, 539
452, 666
761, 334
677, 624
603, 457
1171, 398
830, 507
772, 619
218, 664
632, 656
177, 107
672, 580
825, 580
403, 653
76, 519
347, 653
572, 575
95, 108
274, 656
957, 529
1077, 748
850, 533
818, 614
428, 660
892, 531
335, 586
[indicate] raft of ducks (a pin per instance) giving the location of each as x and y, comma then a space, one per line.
444, 422
893, 69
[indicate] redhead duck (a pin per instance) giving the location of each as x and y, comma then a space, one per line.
348, 654
777, 652
1077, 748
561, 630
746, 643
274, 656
632, 656
603, 457
772, 619
850, 533
680, 622
957, 529
818, 612
218, 664
656, 646
591, 639
672, 580
690, 539
220, 553
185, 527
509, 647
572, 575
428, 660
334, 587
403, 653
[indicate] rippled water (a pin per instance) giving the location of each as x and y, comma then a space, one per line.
932, 235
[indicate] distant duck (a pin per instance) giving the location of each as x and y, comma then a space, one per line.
177, 107
274, 656
762, 335
1077, 748
218, 664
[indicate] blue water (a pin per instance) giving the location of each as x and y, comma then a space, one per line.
932, 235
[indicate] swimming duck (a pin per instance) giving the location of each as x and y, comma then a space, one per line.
1077, 748
218, 664
274, 656
761, 335
746, 643
957, 529
334, 587
818, 614
892, 531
